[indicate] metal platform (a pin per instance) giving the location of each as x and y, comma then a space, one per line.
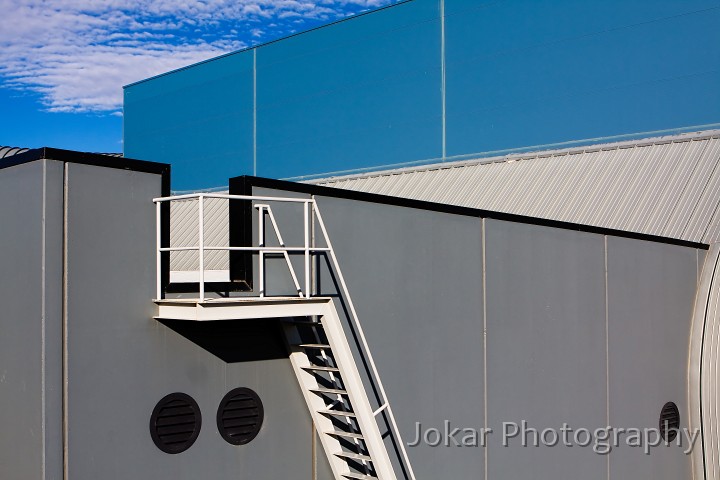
240, 308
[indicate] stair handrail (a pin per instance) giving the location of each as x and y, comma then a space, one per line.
384, 402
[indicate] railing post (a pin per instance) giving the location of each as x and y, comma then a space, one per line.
201, 245
306, 210
158, 253
261, 253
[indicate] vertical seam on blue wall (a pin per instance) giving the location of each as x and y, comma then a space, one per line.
485, 392
607, 350
442, 78
43, 310
255, 112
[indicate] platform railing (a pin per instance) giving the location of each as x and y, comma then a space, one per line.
264, 212
311, 214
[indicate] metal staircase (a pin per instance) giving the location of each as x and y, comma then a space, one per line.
337, 400
354, 435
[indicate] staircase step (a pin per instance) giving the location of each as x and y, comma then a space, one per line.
302, 322
314, 345
358, 476
338, 433
354, 456
321, 369
328, 390
337, 413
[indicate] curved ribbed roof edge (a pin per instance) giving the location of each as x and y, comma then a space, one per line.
10, 151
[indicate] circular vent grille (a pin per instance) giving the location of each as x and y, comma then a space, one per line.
669, 421
240, 416
175, 423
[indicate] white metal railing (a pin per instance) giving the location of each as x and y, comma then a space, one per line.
264, 211
311, 213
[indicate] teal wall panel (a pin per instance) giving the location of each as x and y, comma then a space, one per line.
525, 73
199, 119
358, 93
405, 84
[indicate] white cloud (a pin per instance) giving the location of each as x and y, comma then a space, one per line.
77, 54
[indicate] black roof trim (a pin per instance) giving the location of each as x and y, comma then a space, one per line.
84, 158
452, 209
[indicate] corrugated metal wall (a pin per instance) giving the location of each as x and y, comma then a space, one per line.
665, 186
184, 233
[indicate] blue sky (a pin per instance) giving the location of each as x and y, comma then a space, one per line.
63, 62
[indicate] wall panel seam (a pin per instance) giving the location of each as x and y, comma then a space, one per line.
607, 349
443, 85
43, 314
485, 356
65, 432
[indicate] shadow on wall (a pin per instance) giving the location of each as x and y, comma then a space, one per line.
235, 341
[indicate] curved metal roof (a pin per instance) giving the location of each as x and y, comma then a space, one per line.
666, 186
10, 151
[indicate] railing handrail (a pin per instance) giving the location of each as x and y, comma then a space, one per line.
189, 196
309, 207
193, 248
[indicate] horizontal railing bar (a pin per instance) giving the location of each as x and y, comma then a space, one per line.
233, 197
379, 410
269, 249
246, 249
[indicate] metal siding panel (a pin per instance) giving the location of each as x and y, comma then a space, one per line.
184, 233
651, 292
556, 194
21, 349
656, 179
694, 189
505, 199
682, 165
546, 346
627, 172
531, 197
712, 230
591, 165
701, 216
664, 186
589, 200
476, 187
630, 189
491, 179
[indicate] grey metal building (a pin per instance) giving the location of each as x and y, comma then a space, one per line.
334, 323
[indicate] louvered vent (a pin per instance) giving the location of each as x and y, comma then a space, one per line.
240, 416
669, 421
175, 423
